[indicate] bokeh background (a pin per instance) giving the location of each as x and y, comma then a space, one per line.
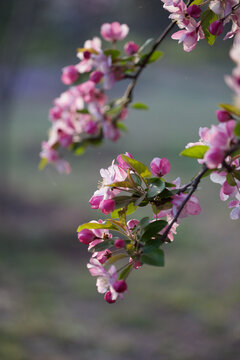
49, 307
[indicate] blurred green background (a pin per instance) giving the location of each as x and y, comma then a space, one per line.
49, 306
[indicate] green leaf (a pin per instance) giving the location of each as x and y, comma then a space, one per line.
103, 245
137, 166
130, 209
136, 179
123, 184
154, 257
140, 106
230, 180
154, 57
236, 130
196, 2
83, 111
230, 108
113, 53
196, 151
123, 201
80, 150
208, 172
115, 258
236, 174
155, 188
207, 18
121, 126
94, 225
43, 162
124, 274
153, 229
115, 110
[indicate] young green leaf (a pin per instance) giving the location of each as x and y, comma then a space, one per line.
43, 162
153, 229
155, 188
137, 166
207, 18
124, 274
230, 180
154, 257
113, 53
196, 151
140, 106
236, 174
230, 108
115, 258
236, 130
94, 225
103, 245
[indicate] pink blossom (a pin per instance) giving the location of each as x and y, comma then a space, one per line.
123, 163
86, 236
103, 256
192, 207
105, 279
194, 11
222, 7
120, 286
214, 157
216, 27
131, 224
119, 243
223, 115
188, 38
114, 31
96, 76
107, 206
109, 298
110, 131
91, 127
69, 75
131, 48
160, 166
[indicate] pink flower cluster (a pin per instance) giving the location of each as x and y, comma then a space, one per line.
126, 175
193, 29
82, 113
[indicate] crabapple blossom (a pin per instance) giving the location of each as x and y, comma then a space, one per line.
115, 31
160, 167
216, 27
131, 48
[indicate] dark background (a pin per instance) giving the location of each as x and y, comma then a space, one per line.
49, 306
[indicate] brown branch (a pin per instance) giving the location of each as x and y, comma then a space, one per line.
194, 185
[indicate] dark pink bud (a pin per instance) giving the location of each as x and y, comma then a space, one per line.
107, 206
122, 163
69, 75
86, 55
131, 48
64, 139
86, 236
119, 243
216, 28
91, 127
132, 224
95, 201
120, 286
160, 166
223, 115
96, 76
194, 11
108, 297
55, 113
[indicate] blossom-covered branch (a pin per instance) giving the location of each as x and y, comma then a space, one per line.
84, 115
128, 184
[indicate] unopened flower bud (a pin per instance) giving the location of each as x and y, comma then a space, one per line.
108, 297
119, 243
91, 127
107, 206
69, 75
160, 167
216, 28
120, 286
86, 55
223, 115
131, 48
194, 11
131, 224
96, 76
86, 236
